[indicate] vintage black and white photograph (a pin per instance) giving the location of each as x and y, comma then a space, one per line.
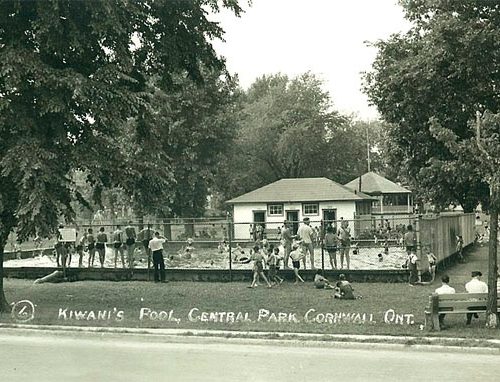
249, 190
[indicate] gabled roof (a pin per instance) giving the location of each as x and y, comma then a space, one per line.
374, 184
300, 190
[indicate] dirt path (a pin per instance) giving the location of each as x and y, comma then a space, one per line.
476, 260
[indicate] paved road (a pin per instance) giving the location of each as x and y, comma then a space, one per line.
97, 357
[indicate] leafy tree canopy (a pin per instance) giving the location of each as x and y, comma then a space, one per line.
288, 129
445, 68
72, 75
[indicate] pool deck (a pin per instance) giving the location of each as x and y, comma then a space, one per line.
198, 274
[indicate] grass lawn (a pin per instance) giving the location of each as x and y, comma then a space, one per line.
391, 309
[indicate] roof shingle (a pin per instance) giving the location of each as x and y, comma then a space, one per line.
374, 184
300, 190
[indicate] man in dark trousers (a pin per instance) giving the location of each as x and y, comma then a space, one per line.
287, 238
130, 237
156, 248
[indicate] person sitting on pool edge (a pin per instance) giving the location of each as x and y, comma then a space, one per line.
344, 290
321, 282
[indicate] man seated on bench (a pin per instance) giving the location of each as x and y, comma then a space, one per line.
475, 286
444, 289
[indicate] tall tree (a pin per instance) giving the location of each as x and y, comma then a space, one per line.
480, 155
445, 67
71, 74
430, 83
198, 125
288, 129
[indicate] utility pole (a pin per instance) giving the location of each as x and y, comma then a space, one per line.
368, 144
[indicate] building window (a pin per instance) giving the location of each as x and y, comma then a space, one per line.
275, 209
311, 209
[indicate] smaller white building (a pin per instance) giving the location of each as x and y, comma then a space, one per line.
319, 199
390, 198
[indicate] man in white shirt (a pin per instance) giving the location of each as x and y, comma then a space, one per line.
475, 286
444, 289
306, 234
156, 247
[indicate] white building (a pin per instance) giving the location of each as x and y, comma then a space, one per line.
390, 198
320, 199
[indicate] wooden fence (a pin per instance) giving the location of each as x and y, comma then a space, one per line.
440, 233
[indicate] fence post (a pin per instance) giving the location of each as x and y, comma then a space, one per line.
419, 245
230, 239
148, 252
322, 236
417, 231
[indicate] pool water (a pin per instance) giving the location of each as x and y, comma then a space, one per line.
212, 258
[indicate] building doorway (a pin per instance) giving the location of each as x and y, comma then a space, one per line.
329, 217
259, 224
293, 218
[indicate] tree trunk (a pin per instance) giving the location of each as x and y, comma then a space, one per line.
4, 305
491, 308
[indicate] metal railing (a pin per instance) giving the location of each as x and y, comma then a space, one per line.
221, 243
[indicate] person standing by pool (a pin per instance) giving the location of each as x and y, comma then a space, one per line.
144, 236
130, 237
345, 243
59, 248
259, 232
102, 239
410, 240
306, 234
287, 238
413, 268
432, 260
156, 247
91, 246
331, 242
118, 245
79, 248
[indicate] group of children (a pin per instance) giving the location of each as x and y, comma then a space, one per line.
123, 242
273, 256
339, 241
413, 263
270, 256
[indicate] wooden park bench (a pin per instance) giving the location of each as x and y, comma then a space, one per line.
458, 303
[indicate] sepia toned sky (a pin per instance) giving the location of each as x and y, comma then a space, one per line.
326, 37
